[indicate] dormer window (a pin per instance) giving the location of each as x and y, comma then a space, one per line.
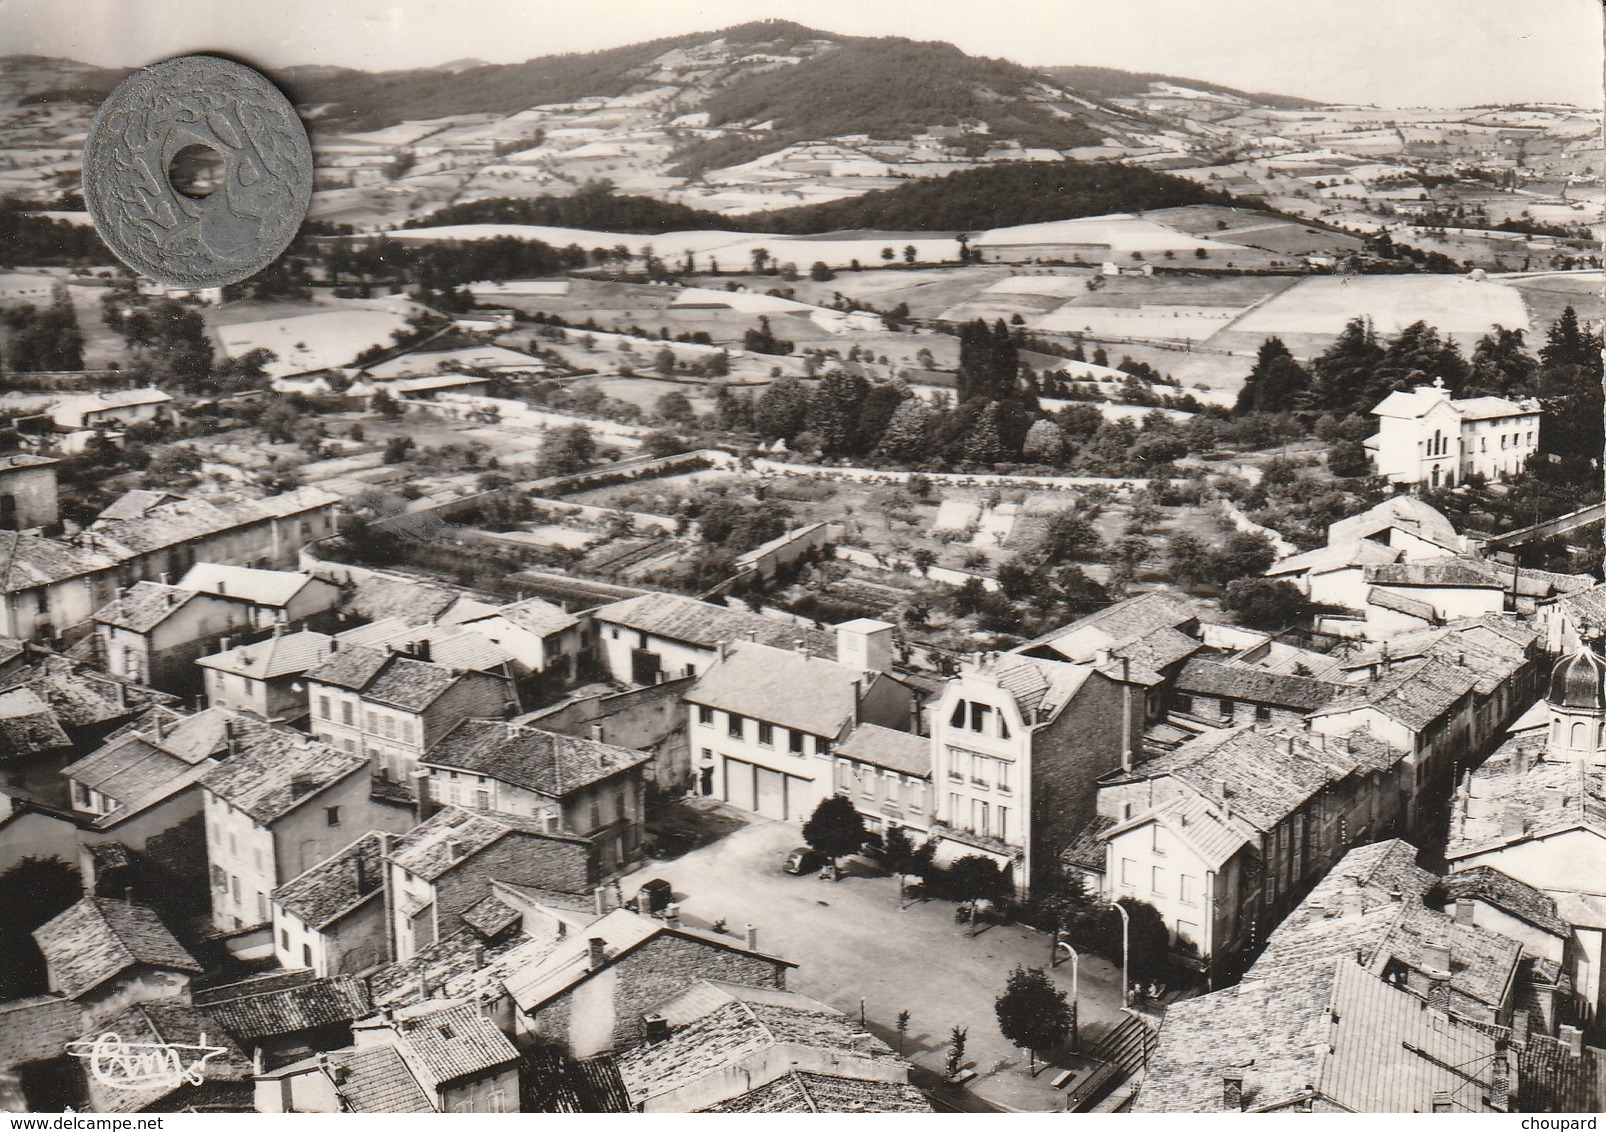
980, 715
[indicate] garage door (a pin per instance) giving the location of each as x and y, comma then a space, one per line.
771, 794
739, 783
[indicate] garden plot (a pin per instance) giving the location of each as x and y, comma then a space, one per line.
997, 524
956, 513
1122, 233
1178, 323
1455, 304
313, 341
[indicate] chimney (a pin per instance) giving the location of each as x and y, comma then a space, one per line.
167, 578
365, 883
258, 1062
231, 736
156, 725
1436, 959
302, 783
422, 651
549, 821
1441, 1101
221, 587
724, 649
423, 804
479, 956
128, 894
644, 902
1500, 1078
334, 644
1573, 1038
656, 1027
672, 915
858, 694
1101, 657
596, 952
278, 629
802, 648
596, 732
1519, 761
454, 848
1464, 911
1232, 1090
752, 938
599, 900
1519, 1028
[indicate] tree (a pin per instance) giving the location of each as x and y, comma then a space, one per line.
820, 272
1264, 603
984, 444
1275, 384
909, 253
675, 407
835, 828
664, 362
33, 891
1044, 444
1033, 1012
907, 437
1348, 459
566, 451
1344, 370
834, 411
1189, 558
397, 448
1244, 554
782, 409
956, 1051
975, 878
385, 405
1069, 536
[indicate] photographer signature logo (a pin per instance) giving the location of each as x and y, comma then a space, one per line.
138, 1065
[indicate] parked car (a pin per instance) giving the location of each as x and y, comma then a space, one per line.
659, 895
803, 860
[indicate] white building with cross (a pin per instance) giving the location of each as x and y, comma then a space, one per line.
1428, 438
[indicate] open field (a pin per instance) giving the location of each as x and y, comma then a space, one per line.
1321, 306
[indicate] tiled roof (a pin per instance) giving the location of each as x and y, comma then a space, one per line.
84, 698
386, 678
1340, 556
816, 1092
458, 1041
1491, 656
554, 969
175, 1023
782, 687
135, 502
465, 649
36, 1028
271, 1011
1086, 849
69, 412
1408, 512
1482, 963
350, 668
28, 725
190, 738
330, 889
1401, 603
880, 746
1585, 609
145, 606
183, 520
539, 617
1043, 686
1118, 624
491, 916
1519, 793
556, 1083
716, 1027
543, 761
28, 561
1203, 677
377, 596
1434, 572
378, 1081
1159, 649
259, 587
1414, 694
1509, 895
1261, 776
98, 939
134, 774
1550, 1079
290, 654
704, 625
276, 769
452, 835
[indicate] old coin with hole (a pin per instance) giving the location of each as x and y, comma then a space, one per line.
197, 172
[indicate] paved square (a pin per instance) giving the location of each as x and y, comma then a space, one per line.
850, 939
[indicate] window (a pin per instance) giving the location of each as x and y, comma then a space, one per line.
1002, 829
373, 723
482, 799
1155, 846
978, 816
957, 719
705, 716
596, 813
955, 815
1184, 702
1262, 713
766, 735
980, 716
1187, 889
822, 748
978, 771
331, 814
613, 633
1129, 870
1227, 707
1157, 882
736, 726
620, 810
262, 908
347, 714
306, 954
323, 708
407, 732
1001, 769
234, 887
794, 742
284, 939
219, 878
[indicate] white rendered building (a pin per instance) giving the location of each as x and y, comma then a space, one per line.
1429, 438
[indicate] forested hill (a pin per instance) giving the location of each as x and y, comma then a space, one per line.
994, 196
997, 196
1110, 82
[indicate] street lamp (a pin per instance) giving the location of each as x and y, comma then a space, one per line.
1076, 998
1126, 946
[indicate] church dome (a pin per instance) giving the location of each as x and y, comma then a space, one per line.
1579, 681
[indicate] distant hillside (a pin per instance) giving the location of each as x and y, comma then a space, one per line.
596, 207
886, 88
1109, 82
997, 196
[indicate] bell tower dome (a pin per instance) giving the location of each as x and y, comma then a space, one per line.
1578, 705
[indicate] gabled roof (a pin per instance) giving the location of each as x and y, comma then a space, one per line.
82, 697
782, 687
1551, 1079
1040, 688
274, 588
449, 1043
1415, 694
387, 678
1203, 825
135, 502
1457, 572
539, 617
29, 725
145, 606
96, 940
543, 761
705, 626
1207, 677
277, 769
464, 648
289, 654
36, 1028
163, 1023
283, 1004
880, 746
716, 1028
378, 1081
133, 774
1508, 894
29, 561
452, 835
1344, 555
1401, 603
1118, 624
185, 520
330, 889
1520, 794
70, 411
801, 1091
376, 596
